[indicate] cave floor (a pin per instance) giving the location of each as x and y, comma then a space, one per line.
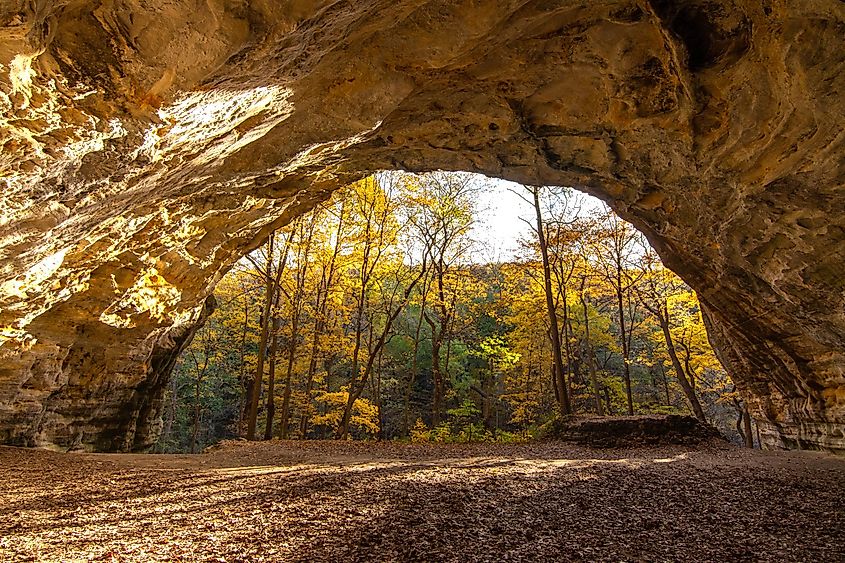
328, 501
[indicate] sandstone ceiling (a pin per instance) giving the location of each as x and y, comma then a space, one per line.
148, 144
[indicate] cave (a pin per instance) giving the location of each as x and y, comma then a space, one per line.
147, 146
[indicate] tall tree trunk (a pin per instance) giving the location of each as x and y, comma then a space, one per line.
528, 391
437, 401
487, 397
244, 403
406, 410
271, 380
197, 388
171, 416
380, 436
343, 429
439, 335
554, 330
689, 392
309, 380
591, 359
296, 311
267, 320
285, 415
292, 347
566, 344
252, 419
356, 388
665, 382
624, 340
249, 389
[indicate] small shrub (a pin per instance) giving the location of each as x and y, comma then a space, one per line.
442, 433
420, 432
474, 433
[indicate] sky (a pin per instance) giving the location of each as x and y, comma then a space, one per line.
500, 225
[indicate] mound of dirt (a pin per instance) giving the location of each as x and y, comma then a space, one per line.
612, 432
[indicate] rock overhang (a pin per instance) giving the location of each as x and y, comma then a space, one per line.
147, 146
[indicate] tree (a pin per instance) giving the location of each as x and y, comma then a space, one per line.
377, 235
655, 289
264, 323
443, 218
499, 358
616, 249
554, 329
296, 298
589, 353
328, 267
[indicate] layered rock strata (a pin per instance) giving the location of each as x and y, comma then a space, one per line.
147, 145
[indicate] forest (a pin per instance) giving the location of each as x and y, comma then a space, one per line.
380, 316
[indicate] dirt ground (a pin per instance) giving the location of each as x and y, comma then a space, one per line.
339, 502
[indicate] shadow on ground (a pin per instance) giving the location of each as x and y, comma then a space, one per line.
328, 501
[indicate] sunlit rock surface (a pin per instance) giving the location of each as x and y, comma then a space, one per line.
147, 145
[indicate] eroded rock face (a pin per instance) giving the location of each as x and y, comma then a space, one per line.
147, 145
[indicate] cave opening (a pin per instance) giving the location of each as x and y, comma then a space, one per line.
140, 166
147, 146
439, 277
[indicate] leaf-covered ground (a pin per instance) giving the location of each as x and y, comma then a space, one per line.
328, 501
